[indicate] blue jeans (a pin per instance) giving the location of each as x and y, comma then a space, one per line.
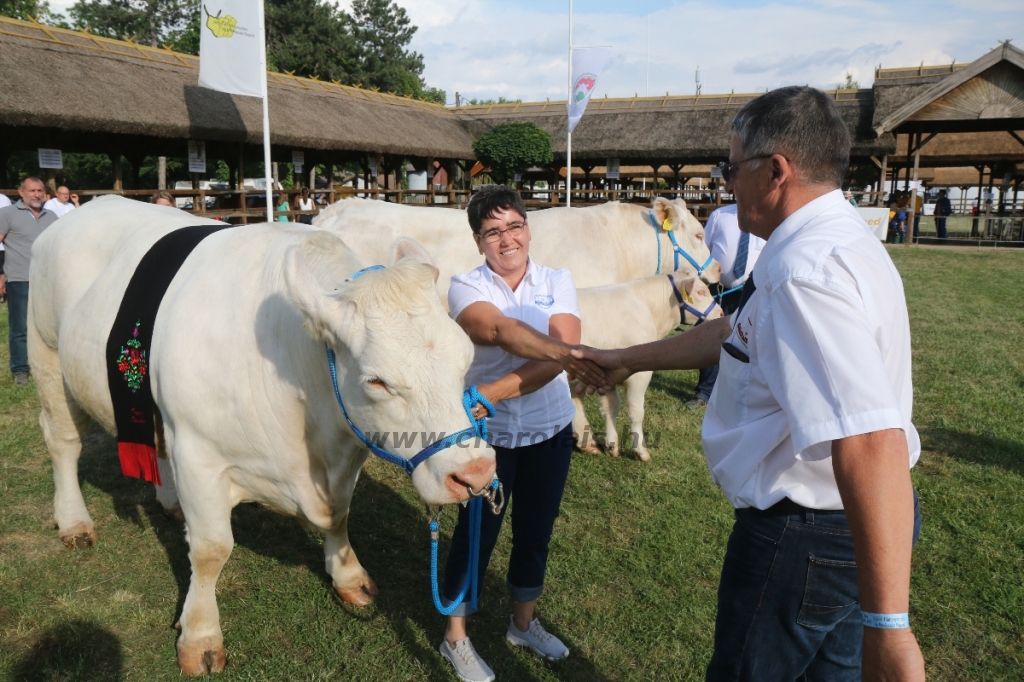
17, 310
940, 228
788, 604
533, 477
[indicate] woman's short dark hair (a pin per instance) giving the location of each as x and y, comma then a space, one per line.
802, 124
492, 198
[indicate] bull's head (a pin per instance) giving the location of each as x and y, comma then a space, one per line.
401, 361
688, 231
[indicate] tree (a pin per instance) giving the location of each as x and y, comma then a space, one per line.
512, 148
850, 83
310, 38
382, 31
27, 10
145, 21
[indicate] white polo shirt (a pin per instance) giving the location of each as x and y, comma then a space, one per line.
544, 292
722, 235
58, 209
828, 338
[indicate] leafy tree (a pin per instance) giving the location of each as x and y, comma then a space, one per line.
435, 95
310, 38
382, 31
500, 100
850, 84
145, 21
512, 148
27, 10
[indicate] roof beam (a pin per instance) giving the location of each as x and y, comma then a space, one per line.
1015, 136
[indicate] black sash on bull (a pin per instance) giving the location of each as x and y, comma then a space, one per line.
128, 349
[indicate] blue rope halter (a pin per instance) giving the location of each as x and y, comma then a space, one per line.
676, 249
470, 398
685, 305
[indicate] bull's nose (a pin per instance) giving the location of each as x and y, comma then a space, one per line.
713, 273
477, 475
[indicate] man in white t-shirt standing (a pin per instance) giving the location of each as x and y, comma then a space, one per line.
737, 252
63, 203
808, 431
4, 201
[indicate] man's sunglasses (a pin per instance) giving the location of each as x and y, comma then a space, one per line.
728, 169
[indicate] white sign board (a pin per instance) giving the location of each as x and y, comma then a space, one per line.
50, 158
298, 158
373, 166
612, 169
877, 219
229, 47
716, 172
517, 178
196, 156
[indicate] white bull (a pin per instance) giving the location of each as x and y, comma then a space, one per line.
241, 381
621, 315
599, 245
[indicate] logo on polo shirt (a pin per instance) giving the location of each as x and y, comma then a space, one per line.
544, 301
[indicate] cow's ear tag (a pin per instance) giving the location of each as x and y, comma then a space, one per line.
667, 225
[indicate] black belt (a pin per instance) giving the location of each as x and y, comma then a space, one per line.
787, 506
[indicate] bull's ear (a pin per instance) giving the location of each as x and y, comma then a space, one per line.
323, 314
663, 210
405, 248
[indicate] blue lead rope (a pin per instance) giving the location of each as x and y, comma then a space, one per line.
726, 293
676, 249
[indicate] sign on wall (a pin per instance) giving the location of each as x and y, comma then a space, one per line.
373, 166
51, 158
877, 219
298, 161
612, 169
196, 156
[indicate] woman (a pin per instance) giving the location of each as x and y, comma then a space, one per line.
522, 318
305, 203
163, 198
283, 208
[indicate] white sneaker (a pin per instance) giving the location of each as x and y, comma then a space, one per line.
542, 642
468, 664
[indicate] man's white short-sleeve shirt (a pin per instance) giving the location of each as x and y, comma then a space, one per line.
828, 338
544, 292
722, 234
58, 209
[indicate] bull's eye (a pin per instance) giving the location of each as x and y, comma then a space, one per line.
375, 382
700, 236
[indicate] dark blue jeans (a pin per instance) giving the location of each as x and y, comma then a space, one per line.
940, 228
788, 604
533, 477
17, 310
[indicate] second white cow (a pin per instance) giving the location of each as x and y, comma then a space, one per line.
628, 314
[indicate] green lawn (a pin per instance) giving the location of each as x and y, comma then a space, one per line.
635, 558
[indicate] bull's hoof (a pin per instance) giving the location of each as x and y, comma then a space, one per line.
360, 595
643, 455
612, 449
589, 448
201, 660
175, 513
80, 538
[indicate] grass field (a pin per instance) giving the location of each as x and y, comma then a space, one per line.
635, 557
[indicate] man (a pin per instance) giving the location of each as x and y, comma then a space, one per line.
943, 209
808, 430
4, 201
63, 203
20, 225
736, 252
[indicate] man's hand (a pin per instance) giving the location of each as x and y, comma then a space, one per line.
74, 200
891, 656
611, 364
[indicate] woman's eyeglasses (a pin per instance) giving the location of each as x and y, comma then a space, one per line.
729, 169
492, 236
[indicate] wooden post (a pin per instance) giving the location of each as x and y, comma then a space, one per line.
118, 182
376, 177
51, 181
161, 173
312, 177
915, 138
881, 180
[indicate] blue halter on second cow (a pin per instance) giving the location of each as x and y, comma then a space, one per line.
676, 249
493, 492
685, 305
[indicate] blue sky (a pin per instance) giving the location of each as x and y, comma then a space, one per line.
517, 48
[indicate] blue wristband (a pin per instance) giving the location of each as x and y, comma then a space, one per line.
885, 621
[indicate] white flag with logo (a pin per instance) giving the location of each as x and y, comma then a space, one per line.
229, 47
587, 65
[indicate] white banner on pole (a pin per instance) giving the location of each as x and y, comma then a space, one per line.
230, 49
587, 65
877, 219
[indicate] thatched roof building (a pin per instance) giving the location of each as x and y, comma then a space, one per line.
73, 90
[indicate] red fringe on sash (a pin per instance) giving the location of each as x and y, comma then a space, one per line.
139, 461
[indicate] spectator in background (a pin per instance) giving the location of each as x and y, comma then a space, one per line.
943, 209
848, 195
736, 251
4, 201
163, 198
20, 225
305, 203
63, 203
897, 224
283, 207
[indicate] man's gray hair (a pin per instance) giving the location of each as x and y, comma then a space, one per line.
30, 178
803, 125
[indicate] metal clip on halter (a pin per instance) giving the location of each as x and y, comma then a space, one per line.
494, 494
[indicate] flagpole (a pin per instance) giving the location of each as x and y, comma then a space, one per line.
266, 117
568, 141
